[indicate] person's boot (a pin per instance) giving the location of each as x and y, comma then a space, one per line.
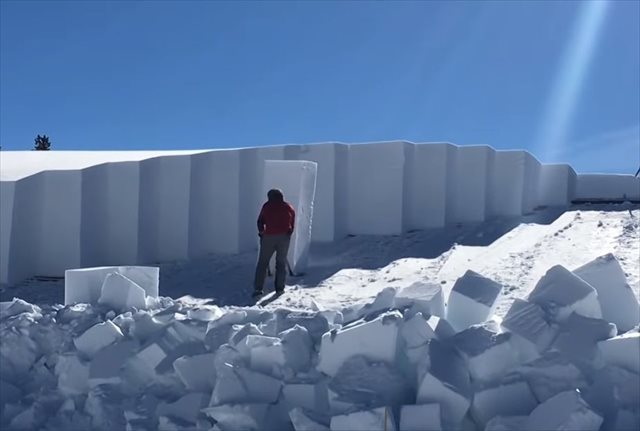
257, 293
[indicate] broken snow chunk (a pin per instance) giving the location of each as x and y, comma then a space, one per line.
531, 333
97, 337
564, 411
297, 347
380, 419
422, 297
441, 327
186, 408
623, 351
472, 300
266, 354
18, 306
85, 284
383, 301
551, 374
245, 417
613, 391
302, 422
145, 326
120, 293
73, 375
416, 332
506, 423
205, 313
488, 353
375, 340
560, 293
107, 366
310, 396
511, 397
617, 301
420, 417
236, 384
197, 372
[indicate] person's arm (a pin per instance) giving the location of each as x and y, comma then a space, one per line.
293, 220
261, 223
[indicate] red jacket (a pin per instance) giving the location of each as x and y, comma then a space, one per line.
276, 218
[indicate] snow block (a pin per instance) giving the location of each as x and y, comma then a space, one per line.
120, 293
246, 417
7, 195
297, 180
309, 396
531, 335
97, 337
552, 374
420, 417
565, 411
196, 372
556, 185
302, 422
236, 384
617, 301
73, 375
266, 354
426, 298
560, 293
375, 340
297, 347
506, 423
106, 367
623, 351
375, 189
607, 187
513, 183
472, 300
85, 285
508, 398
380, 419
614, 392
186, 408
416, 332
489, 354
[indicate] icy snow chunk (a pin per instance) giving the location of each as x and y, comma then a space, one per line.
315, 323
18, 306
198, 372
380, 419
416, 332
97, 337
236, 384
302, 422
383, 301
560, 293
472, 300
613, 391
266, 354
186, 408
531, 334
85, 285
145, 326
106, 367
73, 375
420, 417
375, 339
245, 417
508, 398
421, 297
121, 293
617, 301
205, 313
551, 374
623, 351
488, 353
304, 395
564, 411
297, 347
506, 423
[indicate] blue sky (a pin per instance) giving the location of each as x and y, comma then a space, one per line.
560, 79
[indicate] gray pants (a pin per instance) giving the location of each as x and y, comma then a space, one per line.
269, 244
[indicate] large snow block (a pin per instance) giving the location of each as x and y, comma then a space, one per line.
73, 375
420, 417
375, 189
214, 203
85, 284
421, 297
297, 180
246, 417
106, 368
531, 334
380, 419
623, 351
470, 184
617, 301
376, 340
164, 209
7, 194
425, 184
513, 183
97, 337
565, 411
236, 384
556, 185
552, 374
121, 293
302, 422
472, 300
196, 372
561, 293
607, 187
509, 398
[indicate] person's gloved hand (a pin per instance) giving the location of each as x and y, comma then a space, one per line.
260, 234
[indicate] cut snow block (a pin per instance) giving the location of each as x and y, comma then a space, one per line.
380, 419
416, 332
531, 334
297, 180
120, 293
623, 351
472, 300
619, 304
552, 374
420, 417
489, 354
560, 293
613, 391
7, 194
196, 372
186, 408
375, 340
97, 337
513, 183
607, 187
506, 423
297, 347
556, 185
468, 192
266, 354
106, 367
309, 396
565, 411
245, 417
302, 422
73, 375
85, 285
445, 381
236, 384
508, 398
426, 298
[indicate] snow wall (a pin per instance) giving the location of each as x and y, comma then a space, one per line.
61, 210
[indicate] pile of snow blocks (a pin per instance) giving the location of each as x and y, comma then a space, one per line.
560, 359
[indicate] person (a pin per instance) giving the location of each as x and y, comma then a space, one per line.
275, 227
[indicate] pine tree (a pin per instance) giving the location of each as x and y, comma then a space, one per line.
42, 143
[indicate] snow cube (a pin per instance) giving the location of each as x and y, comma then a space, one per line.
416, 332
375, 339
245, 417
196, 372
313, 397
551, 374
73, 375
623, 351
97, 337
186, 408
426, 298
297, 347
508, 398
564, 411
302, 422
236, 384
613, 391
266, 354
560, 293
106, 367
85, 285
472, 300
506, 423
368, 420
531, 335
420, 417
619, 304
120, 293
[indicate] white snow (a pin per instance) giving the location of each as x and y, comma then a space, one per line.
607, 187
196, 372
301, 422
623, 351
420, 417
531, 334
97, 337
565, 411
472, 300
120, 293
511, 398
380, 419
424, 297
73, 375
85, 284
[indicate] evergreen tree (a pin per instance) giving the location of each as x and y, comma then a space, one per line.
42, 143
